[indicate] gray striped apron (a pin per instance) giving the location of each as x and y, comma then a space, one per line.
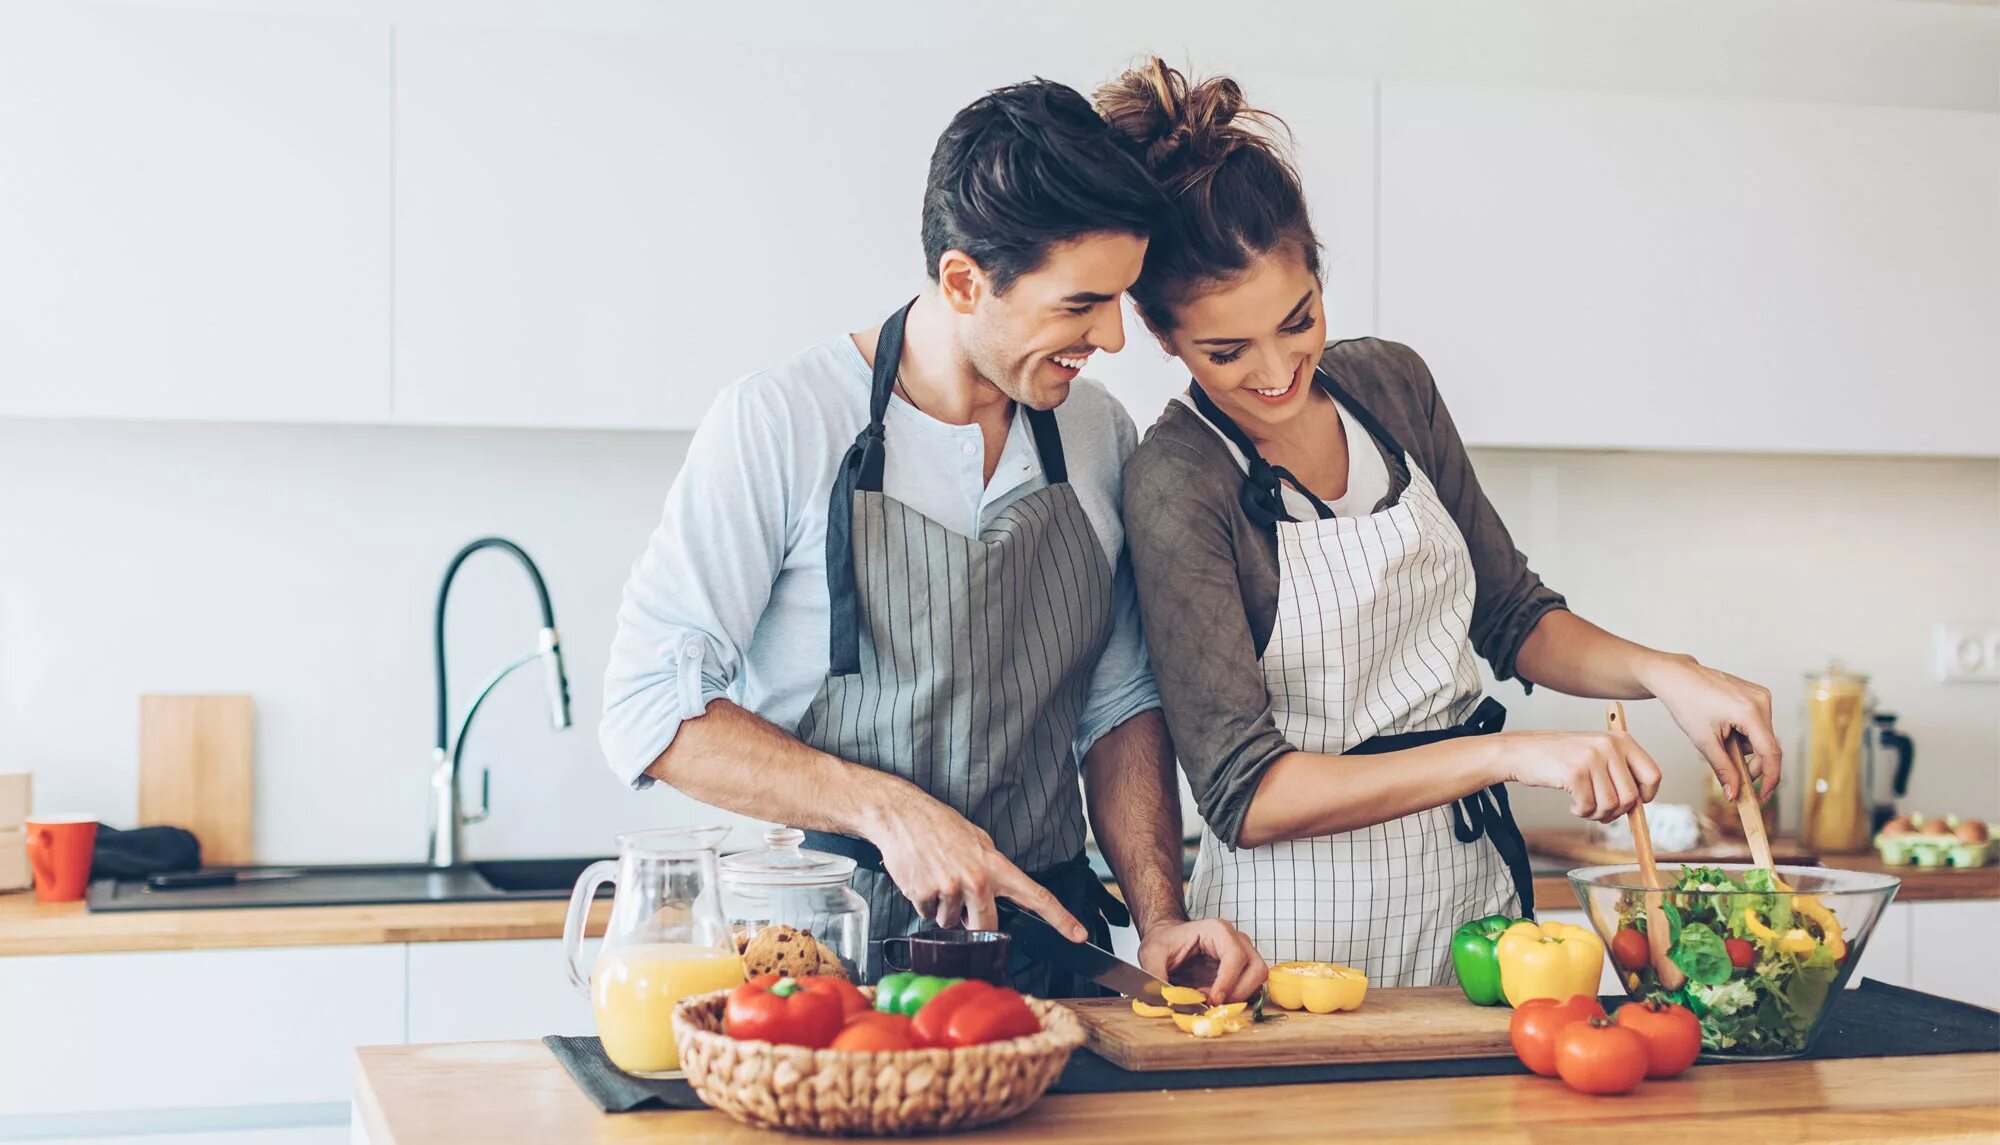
962, 664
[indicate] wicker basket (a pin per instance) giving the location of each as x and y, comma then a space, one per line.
843, 1092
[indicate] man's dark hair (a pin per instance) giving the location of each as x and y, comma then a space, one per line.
1026, 167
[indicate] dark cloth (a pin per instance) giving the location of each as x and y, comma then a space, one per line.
1874, 1020
1207, 573
143, 851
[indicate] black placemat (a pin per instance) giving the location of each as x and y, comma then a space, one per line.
1875, 1020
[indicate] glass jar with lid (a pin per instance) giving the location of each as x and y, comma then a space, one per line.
786, 886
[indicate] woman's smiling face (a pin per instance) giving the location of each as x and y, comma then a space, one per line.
1252, 343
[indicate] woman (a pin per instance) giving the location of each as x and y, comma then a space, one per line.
1317, 568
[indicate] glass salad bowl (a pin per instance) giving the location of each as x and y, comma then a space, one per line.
1764, 956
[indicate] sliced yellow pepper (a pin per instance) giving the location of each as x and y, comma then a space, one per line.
1214, 1022
1829, 925
1797, 941
1182, 995
1146, 1010
1548, 960
1758, 930
1316, 987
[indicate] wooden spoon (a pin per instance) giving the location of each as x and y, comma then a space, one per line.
1751, 813
1659, 937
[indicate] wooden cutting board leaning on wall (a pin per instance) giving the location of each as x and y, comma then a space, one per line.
196, 759
1416, 1023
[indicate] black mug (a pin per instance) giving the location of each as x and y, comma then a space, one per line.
951, 954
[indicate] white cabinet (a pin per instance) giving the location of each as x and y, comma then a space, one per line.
188, 1029
1607, 270
1951, 950
490, 991
600, 229
194, 215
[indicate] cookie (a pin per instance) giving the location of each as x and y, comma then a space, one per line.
779, 949
829, 962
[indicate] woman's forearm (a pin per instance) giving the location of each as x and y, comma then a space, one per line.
1304, 794
1575, 657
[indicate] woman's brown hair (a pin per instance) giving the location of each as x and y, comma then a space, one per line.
1234, 193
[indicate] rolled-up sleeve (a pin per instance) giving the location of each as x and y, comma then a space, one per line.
1198, 637
695, 596
1509, 599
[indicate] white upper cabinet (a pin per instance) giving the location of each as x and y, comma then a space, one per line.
1636, 272
597, 229
194, 215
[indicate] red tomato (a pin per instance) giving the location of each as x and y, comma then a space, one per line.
1629, 949
1742, 955
1672, 1035
995, 1017
871, 1032
929, 1026
1599, 1056
1537, 1021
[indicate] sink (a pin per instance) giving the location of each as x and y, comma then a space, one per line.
527, 878
499, 880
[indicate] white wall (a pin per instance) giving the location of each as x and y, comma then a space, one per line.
298, 564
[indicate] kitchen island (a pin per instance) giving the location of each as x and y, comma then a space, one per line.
497, 1093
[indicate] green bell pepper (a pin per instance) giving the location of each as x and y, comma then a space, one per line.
1474, 960
889, 991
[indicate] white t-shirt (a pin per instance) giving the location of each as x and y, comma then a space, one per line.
1367, 474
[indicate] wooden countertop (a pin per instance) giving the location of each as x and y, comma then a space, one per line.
31, 927
501, 1092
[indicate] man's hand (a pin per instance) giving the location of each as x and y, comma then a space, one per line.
950, 870
1208, 954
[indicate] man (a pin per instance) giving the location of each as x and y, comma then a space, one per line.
887, 601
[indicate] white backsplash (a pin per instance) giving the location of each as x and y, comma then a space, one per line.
299, 564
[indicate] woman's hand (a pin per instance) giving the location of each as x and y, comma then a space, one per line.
1605, 773
1710, 706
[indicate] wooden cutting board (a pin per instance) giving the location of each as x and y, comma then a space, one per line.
195, 763
1580, 846
1419, 1023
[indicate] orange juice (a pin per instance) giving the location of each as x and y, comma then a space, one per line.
634, 990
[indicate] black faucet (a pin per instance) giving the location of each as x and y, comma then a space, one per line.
447, 847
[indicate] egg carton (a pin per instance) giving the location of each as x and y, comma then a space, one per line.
1935, 850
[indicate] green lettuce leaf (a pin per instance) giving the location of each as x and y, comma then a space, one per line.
1700, 954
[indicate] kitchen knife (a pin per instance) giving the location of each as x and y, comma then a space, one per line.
187, 880
1044, 943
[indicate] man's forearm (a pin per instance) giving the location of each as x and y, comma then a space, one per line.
734, 759
1135, 812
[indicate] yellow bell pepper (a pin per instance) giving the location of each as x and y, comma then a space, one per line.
1829, 925
1147, 1010
1764, 935
1797, 941
1548, 960
1214, 1021
1316, 987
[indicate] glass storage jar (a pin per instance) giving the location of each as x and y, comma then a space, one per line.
786, 886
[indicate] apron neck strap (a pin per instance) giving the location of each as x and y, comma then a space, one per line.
1262, 499
861, 471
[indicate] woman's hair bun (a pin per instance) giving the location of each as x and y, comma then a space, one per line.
1182, 130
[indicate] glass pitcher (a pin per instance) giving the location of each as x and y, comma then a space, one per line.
667, 940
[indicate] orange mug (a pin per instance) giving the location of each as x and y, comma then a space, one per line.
59, 848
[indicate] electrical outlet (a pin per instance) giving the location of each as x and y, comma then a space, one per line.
1967, 654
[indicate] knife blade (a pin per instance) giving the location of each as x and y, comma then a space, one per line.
1045, 943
